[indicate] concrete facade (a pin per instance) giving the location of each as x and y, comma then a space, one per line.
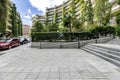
115, 10
57, 12
26, 30
40, 18
9, 20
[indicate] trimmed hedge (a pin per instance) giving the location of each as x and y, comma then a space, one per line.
67, 36
57, 36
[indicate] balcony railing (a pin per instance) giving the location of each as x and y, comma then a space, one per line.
112, 1
116, 8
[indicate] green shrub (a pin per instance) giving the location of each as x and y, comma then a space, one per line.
103, 31
118, 31
55, 36
92, 34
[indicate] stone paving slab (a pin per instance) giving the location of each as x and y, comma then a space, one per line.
25, 63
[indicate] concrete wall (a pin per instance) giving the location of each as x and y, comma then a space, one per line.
44, 45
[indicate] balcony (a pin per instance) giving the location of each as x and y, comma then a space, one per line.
112, 21
9, 25
115, 9
112, 1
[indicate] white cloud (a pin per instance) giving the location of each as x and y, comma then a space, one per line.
33, 15
42, 4
27, 16
29, 11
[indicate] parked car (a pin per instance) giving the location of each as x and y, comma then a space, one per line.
29, 39
23, 40
9, 43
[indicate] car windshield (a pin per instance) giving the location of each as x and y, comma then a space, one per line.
5, 40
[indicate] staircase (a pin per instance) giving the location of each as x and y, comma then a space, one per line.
114, 41
108, 52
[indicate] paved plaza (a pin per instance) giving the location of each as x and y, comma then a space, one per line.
25, 63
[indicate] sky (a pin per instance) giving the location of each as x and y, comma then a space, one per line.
29, 8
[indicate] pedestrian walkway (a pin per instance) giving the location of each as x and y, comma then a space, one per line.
115, 41
25, 63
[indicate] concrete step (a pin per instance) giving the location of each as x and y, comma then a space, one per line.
114, 41
111, 58
110, 51
108, 48
104, 53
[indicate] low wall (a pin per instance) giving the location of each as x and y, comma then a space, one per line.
58, 45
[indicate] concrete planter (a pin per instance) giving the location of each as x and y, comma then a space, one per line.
58, 45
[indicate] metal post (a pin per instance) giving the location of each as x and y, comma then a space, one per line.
79, 42
79, 45
60, 45
40, 44
96, 41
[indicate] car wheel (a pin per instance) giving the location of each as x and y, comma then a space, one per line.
23, 42
19, 44
10, 47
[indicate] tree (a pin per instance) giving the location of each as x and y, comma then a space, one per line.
108, 14
101, 10
82, 11
63, 11
118, 19
68, 18
19, 26
89, 12
118, 1
3, 16
14, 21
53, 27
38, 27
55, 16
77, 25
68, 21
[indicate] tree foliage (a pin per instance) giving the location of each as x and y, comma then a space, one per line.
14, 21
89, 12
118, 19
53, 27
38, 27
118, 1
54, 16
20, 33
3, 16
102, 9
68, 21
82, 11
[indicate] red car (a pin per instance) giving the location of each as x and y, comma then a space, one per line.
9, 43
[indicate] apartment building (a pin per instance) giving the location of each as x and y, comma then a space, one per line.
57, 13
40, 18
13, 27
26, 30
115, 10
9, 20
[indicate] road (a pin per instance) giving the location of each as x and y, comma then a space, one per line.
25, 63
